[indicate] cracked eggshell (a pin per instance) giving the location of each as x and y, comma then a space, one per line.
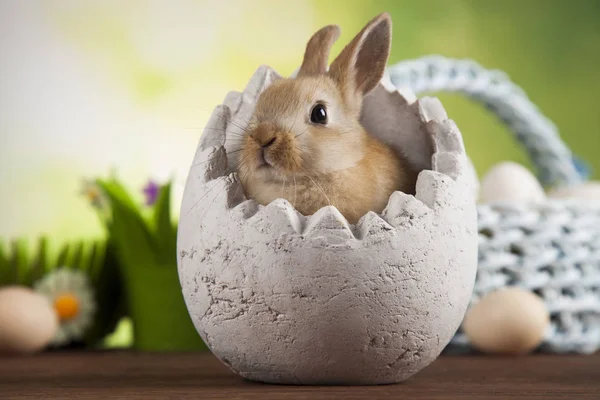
285, 298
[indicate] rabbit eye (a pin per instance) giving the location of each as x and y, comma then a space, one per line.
318, 115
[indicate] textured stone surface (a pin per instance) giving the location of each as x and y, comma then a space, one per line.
285, 298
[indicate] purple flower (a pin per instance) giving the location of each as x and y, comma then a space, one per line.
151, 191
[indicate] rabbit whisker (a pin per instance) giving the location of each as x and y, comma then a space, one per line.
212, 158
291, 131
201, 197
225, 131
211, 203
300, 134
283, 188
243, 128
234, 140
215, 198
295, 187
320, 188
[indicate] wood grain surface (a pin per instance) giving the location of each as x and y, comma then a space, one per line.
129, 375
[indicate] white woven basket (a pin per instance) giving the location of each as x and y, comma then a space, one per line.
552, 249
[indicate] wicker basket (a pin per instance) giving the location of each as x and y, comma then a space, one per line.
553, 248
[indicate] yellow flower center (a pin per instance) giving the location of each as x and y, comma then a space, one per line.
66, 306
93, 194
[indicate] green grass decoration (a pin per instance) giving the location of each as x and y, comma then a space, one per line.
145, 245
22, 264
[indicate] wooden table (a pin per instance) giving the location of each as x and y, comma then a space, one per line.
128, 375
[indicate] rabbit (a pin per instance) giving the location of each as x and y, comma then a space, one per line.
304, 141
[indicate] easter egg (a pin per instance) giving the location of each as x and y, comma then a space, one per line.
509, 321
27, 320
583, 191
510, 182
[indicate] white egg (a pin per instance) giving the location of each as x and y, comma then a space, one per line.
509, 321
27, 320
584, 191
510, 182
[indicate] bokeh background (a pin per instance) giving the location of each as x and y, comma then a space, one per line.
87, 87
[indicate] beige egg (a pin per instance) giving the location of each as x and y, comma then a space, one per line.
584, 191
508, 321
27, 320
510, 182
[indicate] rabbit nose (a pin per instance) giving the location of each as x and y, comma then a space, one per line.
268, 143
265, 135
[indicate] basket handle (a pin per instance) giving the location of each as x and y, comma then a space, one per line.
553, 160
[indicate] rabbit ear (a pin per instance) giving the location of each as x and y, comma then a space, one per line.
317, 51
360, 66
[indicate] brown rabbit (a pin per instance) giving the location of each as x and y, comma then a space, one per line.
305, 142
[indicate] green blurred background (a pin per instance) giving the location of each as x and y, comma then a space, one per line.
89, 86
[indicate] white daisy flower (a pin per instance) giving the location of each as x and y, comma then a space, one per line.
92, 191
69, 292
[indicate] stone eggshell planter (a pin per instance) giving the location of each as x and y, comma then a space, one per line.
285, 298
